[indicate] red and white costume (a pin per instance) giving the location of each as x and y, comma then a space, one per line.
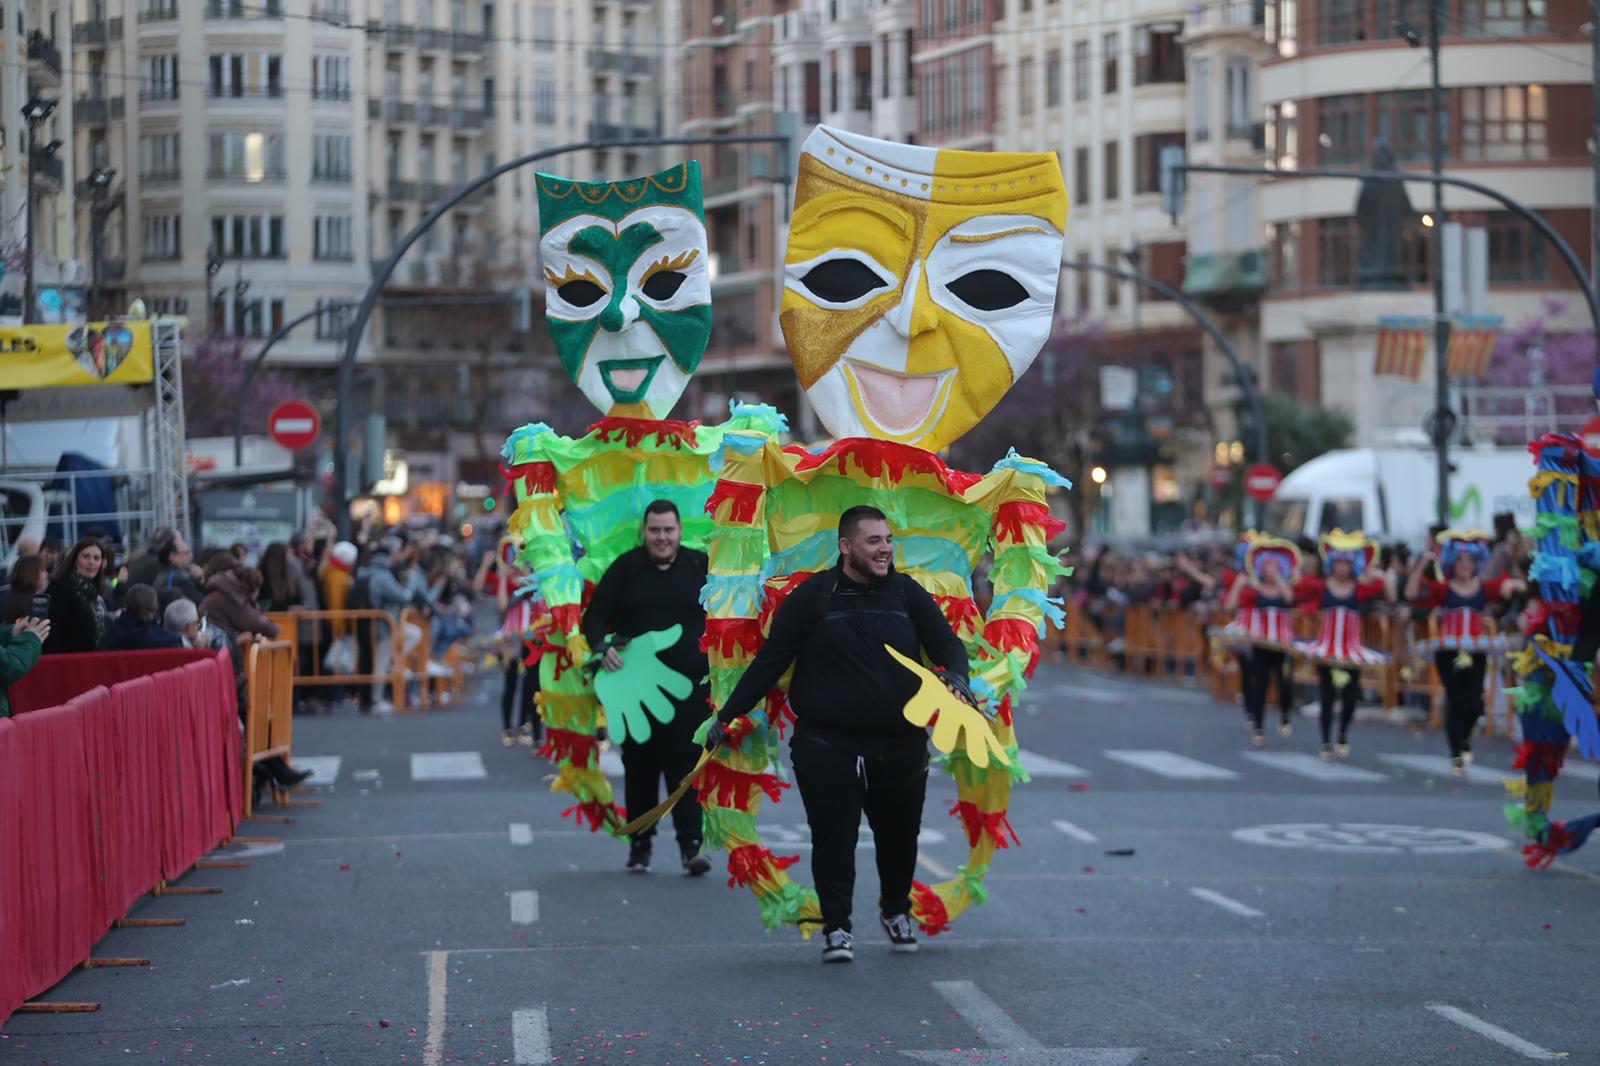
1462, 626
1338, 641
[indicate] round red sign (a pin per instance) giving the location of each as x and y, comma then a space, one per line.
1590, 432
1261, 481
294, 424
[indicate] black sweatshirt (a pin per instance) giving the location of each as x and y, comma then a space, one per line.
635, 597
847, 689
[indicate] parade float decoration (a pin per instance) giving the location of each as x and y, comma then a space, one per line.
1555, 700
919, 285
628, 303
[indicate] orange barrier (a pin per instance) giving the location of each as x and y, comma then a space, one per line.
269, 711
309, 631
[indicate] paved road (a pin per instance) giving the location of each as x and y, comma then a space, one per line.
436, 909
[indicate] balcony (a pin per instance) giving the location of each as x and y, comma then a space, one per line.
331, 95
42, 51
432, 40
1226, 279
159, 13
241, 10
249, 175
431, 192
433, 115
721, 184
330, 177
113, 269
401, 191
160, 176
628, 64
97, 110
464, 120
216, 95
98, 33
395, 37
466, 45
392, 111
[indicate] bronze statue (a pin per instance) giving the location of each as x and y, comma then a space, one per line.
1383, 210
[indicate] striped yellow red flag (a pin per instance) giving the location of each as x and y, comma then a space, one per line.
1472, 342
1402, 345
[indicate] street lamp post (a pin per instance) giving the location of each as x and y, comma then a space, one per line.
99, 187
35, 113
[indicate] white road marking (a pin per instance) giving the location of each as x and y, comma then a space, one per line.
1227, 903
324, 768
438, 978
1510, 1041
1043, 766
1370, 839
1078, 833
1582, 771
530, 1037
447, 766
1439, 766
521, 834
524, 907
984, 1014
932, 865
611, 762
1298, 762
1172, 765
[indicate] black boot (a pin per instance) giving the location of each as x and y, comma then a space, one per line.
639, 857
694, 863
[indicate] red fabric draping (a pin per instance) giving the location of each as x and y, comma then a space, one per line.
56, 679
105, 796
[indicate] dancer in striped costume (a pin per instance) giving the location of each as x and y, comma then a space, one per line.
1264, 595
1337, 651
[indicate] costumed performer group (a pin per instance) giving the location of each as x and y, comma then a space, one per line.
919, 286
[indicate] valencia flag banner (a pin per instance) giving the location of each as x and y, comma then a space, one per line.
1472, 342
1402, 345
85, 353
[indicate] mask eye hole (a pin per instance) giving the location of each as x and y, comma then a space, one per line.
663, 284
988, 290
581, 293
842, 281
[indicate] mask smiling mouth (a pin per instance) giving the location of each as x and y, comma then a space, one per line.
629, 379
899, 403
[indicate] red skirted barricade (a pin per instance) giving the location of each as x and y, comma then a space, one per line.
106, 796
56, 679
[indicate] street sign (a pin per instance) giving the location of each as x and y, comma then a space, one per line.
294, 424
1261, 481
1218, 477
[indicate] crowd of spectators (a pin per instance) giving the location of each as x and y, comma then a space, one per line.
1193, 576
87, 598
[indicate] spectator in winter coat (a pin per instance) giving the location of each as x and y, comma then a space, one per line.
21, 644
138, 627
230, 606
175, 569
77, 601
26, 594
144, 567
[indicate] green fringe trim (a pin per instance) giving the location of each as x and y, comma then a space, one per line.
735, 549
1564, 526
1024, 566
971, 882
719, 825
784, 907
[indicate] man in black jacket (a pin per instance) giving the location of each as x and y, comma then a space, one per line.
853, 750
646, 590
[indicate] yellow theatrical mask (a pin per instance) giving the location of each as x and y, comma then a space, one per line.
919, 283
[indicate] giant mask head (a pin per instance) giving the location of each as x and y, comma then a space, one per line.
919, 283
627, 293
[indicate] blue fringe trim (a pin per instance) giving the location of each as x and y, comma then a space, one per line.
1015, 461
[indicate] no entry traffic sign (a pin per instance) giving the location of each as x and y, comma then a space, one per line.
1261, 481
294, 424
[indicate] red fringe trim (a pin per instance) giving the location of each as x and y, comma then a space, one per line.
535, 477
961, 612
778, 589
779, 712
564, 745
934, 919
1571, 447
1541, 761
598, 815
1556, 841
727, 634
875, 457
744, 497
722, 786
1003, 712
668, 433
977, 823
1010, 518
755, 863
568, 617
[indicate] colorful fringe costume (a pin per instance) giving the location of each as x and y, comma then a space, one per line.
1556, 699
920, 284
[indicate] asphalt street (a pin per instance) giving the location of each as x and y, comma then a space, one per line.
1177, 897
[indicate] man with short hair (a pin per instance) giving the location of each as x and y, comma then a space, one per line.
649, 589
175, 568
145, 566
853, 750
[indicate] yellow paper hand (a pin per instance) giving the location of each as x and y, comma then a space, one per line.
956, 718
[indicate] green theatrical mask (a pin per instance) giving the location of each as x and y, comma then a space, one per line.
627, 286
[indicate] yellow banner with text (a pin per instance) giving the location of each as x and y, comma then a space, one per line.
88, 353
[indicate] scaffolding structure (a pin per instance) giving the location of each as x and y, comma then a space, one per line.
164, 426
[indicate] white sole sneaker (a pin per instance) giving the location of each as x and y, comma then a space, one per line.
839, 955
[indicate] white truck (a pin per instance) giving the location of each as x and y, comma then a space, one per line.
1390, 493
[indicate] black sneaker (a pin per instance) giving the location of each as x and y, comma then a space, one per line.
694, 863
837, 946
902, 934
639, 857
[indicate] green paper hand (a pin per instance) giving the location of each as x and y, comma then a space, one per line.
644, 688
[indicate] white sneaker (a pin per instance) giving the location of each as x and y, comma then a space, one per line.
383, 707
902, 934
838, 946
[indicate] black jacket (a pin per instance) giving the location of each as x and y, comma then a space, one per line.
846, 688
126, 634
72, 621
635, 596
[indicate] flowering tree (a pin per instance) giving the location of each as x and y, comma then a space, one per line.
1533, 356
213, 374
